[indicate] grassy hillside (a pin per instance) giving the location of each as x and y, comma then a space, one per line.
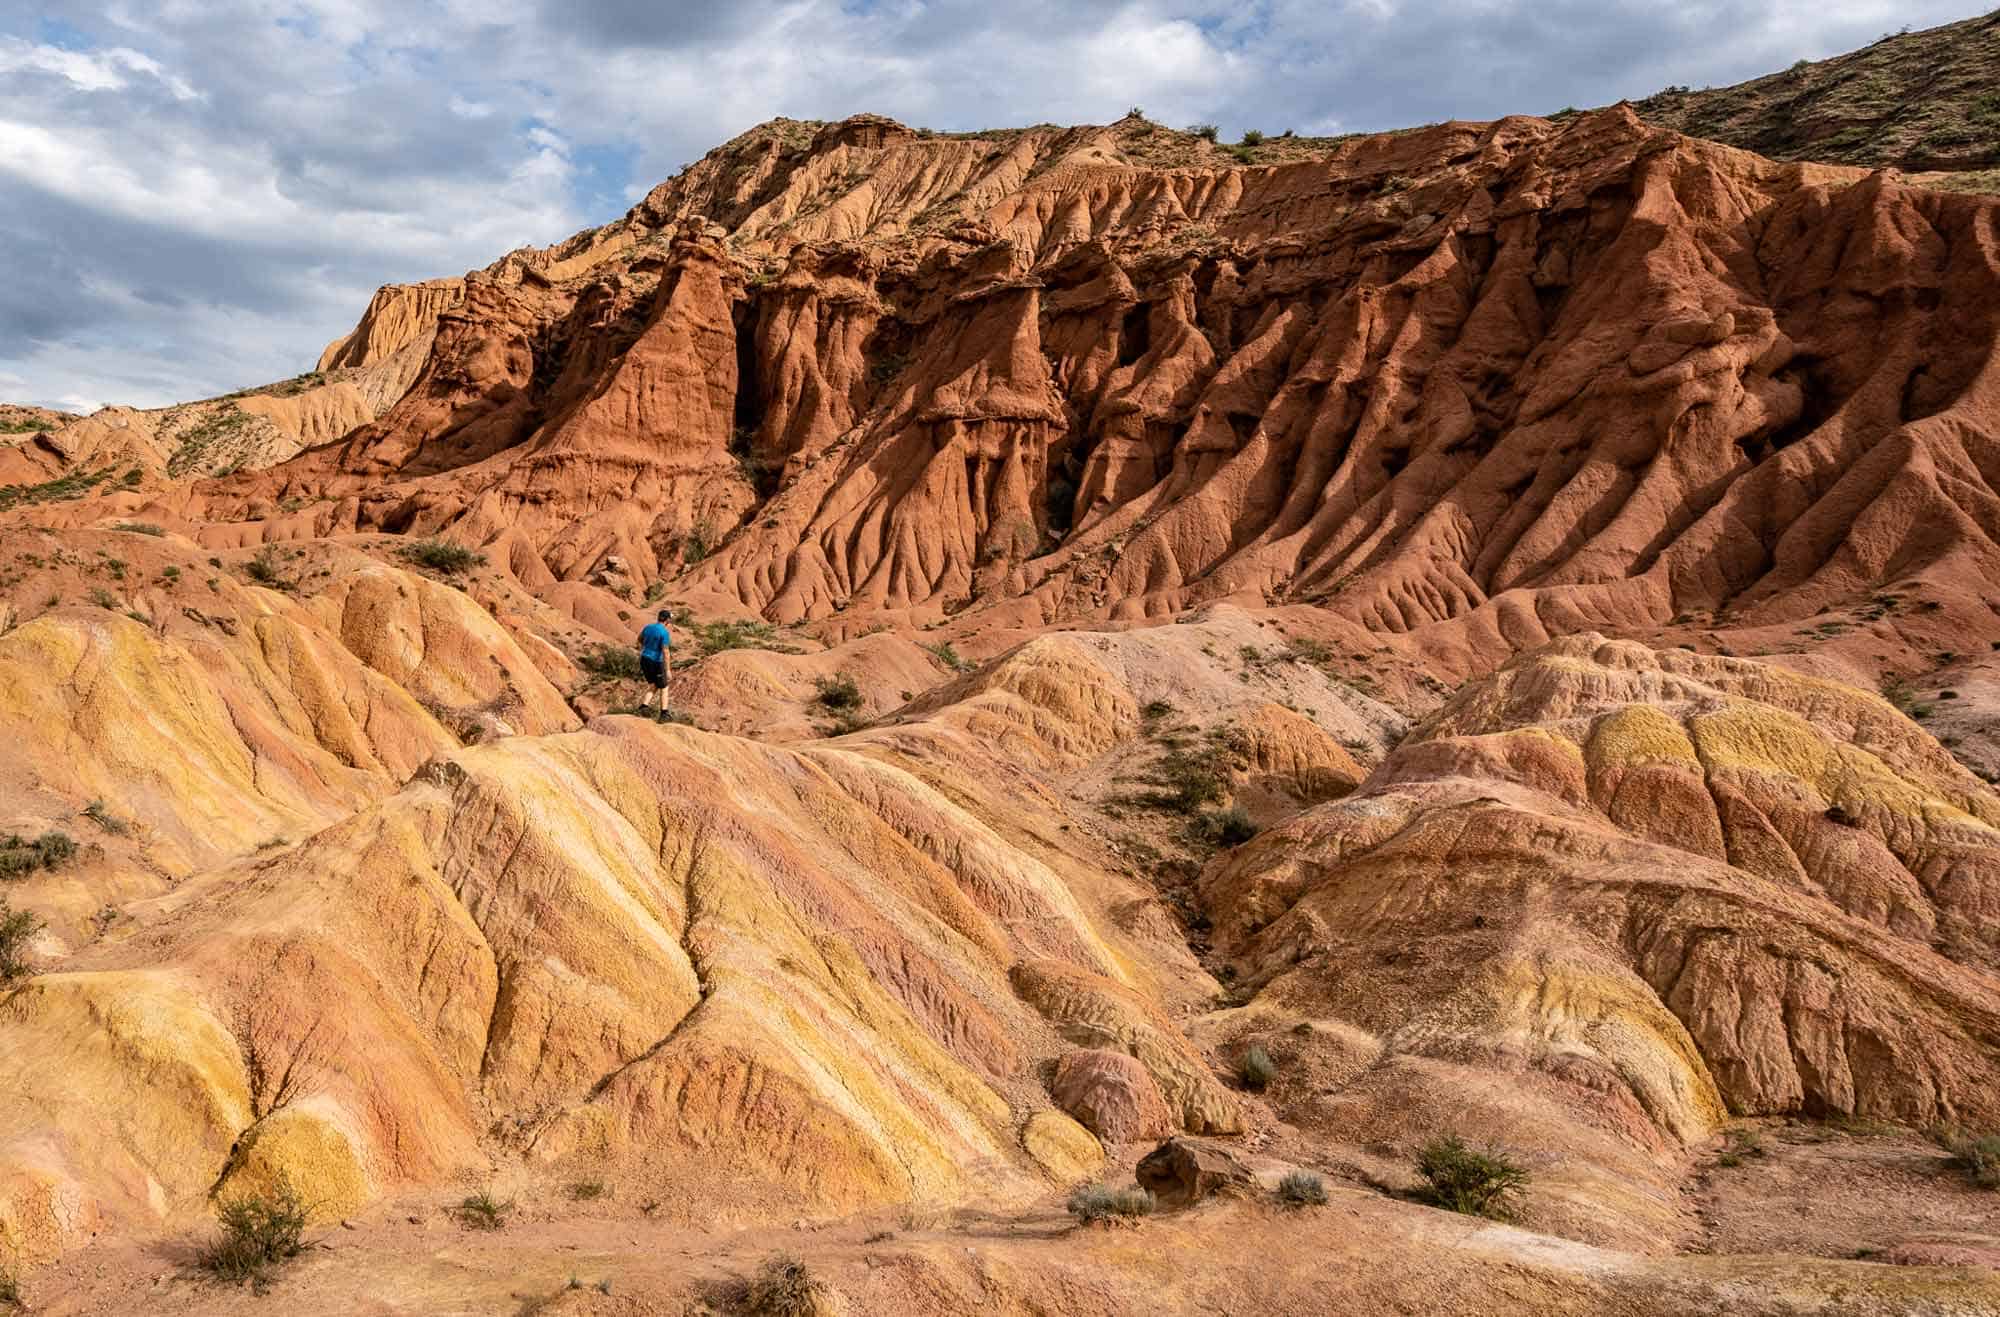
1926, 102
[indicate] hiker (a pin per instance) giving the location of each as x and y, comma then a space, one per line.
656, 659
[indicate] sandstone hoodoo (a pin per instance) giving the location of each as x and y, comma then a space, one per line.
1297, 698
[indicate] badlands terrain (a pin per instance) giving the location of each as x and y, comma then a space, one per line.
1499, 622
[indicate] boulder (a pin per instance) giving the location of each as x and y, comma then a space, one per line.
1112, 1095
1184, 1171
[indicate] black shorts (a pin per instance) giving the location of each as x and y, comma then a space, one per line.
655, 671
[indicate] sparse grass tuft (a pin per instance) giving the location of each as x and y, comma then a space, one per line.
258, 1232
482, 1211
1302, 1189
100, 813
10, 1292
1092, 1203
785, 1287
1257, 1069
264, 569
1978, 1155
139, 528
441, 555
750, 633
1190, 779
1461, 1178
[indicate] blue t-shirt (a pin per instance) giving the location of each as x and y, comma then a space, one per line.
654, 642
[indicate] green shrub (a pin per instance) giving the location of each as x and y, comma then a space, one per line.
699, 542
951, 658
72, 486
264, 569
1978, 1155
20, 857
1156, 710
1257, 1069
258, 1233
1100, 1202
1302, 1189
610, 662
785, 1287
1253, 138
1191, 779
838, 693
10, 1289
482, 1211
1464, 1179
588, 1191
1225, 827
441, 555
16, 927
100, 813
1205, 131
750, 633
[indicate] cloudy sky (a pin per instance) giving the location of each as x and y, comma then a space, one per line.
196, 195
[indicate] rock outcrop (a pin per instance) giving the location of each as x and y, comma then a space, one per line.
1111, 1095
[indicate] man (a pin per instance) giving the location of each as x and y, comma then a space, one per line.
656, 649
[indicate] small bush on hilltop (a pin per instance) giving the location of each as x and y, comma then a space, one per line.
1100, 1202
1205, 131
16, 927
1464, 1179
258, 1232
1302, 1189
1978, 1155
441, 555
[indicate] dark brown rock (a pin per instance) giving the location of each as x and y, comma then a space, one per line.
1184, 1171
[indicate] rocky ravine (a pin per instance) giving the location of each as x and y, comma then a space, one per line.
1454, 458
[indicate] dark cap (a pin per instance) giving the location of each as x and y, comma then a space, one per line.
666, 614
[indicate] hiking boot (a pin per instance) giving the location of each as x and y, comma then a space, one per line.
663, 715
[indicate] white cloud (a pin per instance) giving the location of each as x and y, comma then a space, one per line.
99, 70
